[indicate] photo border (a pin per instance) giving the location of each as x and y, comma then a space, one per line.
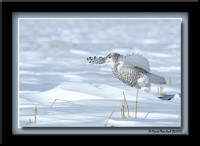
8, 8
98, 130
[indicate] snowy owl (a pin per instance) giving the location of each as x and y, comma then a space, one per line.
133, 70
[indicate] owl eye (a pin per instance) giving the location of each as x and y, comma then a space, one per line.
109, 57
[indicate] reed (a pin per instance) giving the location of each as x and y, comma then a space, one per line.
35, 114
109, 118
161, 91
136, 104
29, 122
126, 103
122, 110
170, 81
56, 100
158, 90
179, 116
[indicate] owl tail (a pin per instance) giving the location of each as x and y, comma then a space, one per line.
155, 79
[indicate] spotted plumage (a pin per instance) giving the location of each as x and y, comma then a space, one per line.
133, 70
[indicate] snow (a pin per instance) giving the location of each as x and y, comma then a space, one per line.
53, 65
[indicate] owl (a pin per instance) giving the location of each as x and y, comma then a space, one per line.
133, 70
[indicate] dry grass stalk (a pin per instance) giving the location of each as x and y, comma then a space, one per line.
136, 104
179, 116
161, 89
123, 111
170, 81
36, 110
158, 91
127, 109
55, 101
109, 118
126, 104
35, 114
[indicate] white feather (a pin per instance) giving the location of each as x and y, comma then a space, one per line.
135, 60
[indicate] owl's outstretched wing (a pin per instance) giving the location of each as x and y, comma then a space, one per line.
96, 60
136, 61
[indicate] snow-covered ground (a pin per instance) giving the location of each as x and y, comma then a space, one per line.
53, 65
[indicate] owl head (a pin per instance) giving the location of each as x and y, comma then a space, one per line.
112, 59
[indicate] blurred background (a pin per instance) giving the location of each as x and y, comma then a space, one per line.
53, 51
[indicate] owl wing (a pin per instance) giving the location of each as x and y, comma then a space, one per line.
96, 60
136, 61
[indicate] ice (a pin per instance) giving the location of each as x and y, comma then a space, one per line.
53, 65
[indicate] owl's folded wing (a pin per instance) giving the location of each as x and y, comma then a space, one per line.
135, 60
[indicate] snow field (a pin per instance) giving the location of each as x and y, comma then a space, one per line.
53, 65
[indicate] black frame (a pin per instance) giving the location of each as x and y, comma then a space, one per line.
8, 8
